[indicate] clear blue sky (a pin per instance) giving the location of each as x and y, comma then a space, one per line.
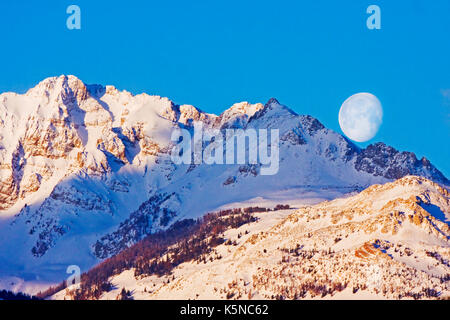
310, 55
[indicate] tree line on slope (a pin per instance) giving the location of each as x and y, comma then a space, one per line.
158, 253
9, 295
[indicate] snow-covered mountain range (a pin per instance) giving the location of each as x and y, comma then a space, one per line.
85, 171
390, 241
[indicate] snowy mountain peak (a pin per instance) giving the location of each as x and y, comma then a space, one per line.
273, 110
238, 114
271, 101
68, 88
273, 104
73, 155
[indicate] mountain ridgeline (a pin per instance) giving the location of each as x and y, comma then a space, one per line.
86, 170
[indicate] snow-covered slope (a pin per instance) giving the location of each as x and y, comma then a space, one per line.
85, 170
389, 241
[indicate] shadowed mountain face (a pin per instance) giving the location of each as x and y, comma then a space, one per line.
85, 170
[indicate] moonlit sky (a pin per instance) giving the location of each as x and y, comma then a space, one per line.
360, 116
310, 55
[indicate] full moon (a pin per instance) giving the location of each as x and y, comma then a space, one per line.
360, 116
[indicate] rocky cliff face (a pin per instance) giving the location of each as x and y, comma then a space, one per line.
80, 164
382, 160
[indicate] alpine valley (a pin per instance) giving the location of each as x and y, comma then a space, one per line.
86, 179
